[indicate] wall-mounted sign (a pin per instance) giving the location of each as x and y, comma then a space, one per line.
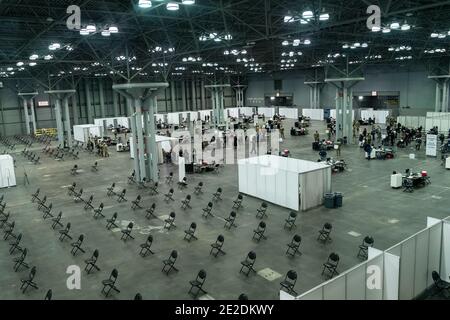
43, 104
431, 145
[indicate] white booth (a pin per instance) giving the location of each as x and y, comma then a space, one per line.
289, 113
291, 183
7, 174
82, 132
121, 121
314, 114
267, 112
162, 143
379, 115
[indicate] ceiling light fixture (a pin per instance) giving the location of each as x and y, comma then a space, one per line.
144, 4
172, 6
91, 28
308, 14
84, 32
106, 33
395, 25
405, 27
188, 2
113, 29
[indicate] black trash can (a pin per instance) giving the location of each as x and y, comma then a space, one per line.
345, 140
338, 197
329, 200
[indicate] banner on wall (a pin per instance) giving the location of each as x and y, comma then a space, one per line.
432, 145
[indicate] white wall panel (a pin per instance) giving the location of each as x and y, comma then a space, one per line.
434, 257
356, 283
421, 264
407, 260
335, 290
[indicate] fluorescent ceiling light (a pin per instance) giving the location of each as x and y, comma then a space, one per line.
106, 33
345, 46
405, 27
364, 45
307, 41
285, 43
288, 19
54, 46
303, 21
84, 32
308, 14
48, 57
113, 29
376, 29
34, 57
442, 35
32, 64
395, 25
91, 28
357, 44
188, 2
144, 4
324, 17
19, 64
172, 6
386, 30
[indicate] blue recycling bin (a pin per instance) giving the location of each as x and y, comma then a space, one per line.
329, 200
338, 197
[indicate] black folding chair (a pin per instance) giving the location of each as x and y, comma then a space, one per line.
154, 189
74, 170
238, 202
248, 263
121, 196
48, 295
242, 296
4, 219
57, 221
65, 233
47, 211
170, 221
77, 195
216, 247
20, 261
42, 202
146, 247
91, 263
143, 183
207, 211
132, 177
292, 248
229, 222
138, 296
135, 204
111, 190
198, 283
170, 262
169, 196
111, 222
76, 246
190, 233
324, 234
9, 230
29, 282
99, 211
217, 195
110, 283
289, 282
290, 221
183, 183
261, 213
150, 212
331, 265
440, 284
258, 233
198, 188
34, 196
88, 204
364, 247
71, 189
169, 178
15, 244
95, 167
186, 202
126, 233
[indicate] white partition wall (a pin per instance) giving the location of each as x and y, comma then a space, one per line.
267, 112
314, 114
204, 113
162, 143
233, 112
173, 118
279, 180
379, 115
333, 114
406, 269
82, 133
412, 122
7, 174
122, 121
443, 123
247, 111
289, 113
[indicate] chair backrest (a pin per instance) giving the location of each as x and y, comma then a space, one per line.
368, 241
188, 197
18, 238
210, 204
150, 239
193, 226
264, 205
297, 239
436, 277
202, 275
233, 214
327, 226
262, 225
251, 256
59, 215
138, 296
114, 275
114, 216
50, 206
48, 295
80, 239
32, 274
172, 215
220, 238
334, 257
95, 254
101, 206
24, 254
291, 275
292, 215
68, 225
173, 255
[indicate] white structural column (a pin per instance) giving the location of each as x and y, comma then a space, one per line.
203, 95
217, 97
88, 101
172, 97
442, 92
76, 115
183, 96
314, 93
67, 122
61, 97
102, 98
28, 98
194, 97
240, 95
144, 97
445, 94
115, 103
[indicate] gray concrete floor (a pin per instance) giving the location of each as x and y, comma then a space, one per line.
371, 207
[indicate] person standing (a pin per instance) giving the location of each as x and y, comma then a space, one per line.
316, 136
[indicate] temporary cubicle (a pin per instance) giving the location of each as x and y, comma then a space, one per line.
82, 132
379, 115
162, 143
314, 114
121, 121
412, 122
402, 272
289, 113
333, 114
291, 183
267, 112
7, 174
